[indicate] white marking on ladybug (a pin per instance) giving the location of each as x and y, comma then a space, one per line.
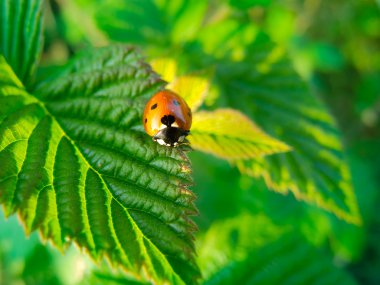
181, 138
161, 142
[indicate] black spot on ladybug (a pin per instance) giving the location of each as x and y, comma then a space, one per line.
153, 106
175, 102
168, 120
146, 120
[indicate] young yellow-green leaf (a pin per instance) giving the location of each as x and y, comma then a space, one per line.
77, 165
21, 35
229, 134
165, 67
192, 88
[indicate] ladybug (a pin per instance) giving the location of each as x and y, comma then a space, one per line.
167, 118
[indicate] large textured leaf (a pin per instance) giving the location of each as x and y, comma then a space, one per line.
268, 89
21, 35
229, 134
77, 165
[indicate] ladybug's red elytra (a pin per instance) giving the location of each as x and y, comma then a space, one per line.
167, 118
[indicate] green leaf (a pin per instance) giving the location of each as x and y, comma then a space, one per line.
112, 279
289, 260
77, 25
274, 96
252, 249
249, 4
229, 134
156, 22
78, 167
21, 35
232, 238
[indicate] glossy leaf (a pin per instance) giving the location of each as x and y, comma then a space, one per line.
274, 96
229, 134
289, 260
252, 249
156, 22
78, 167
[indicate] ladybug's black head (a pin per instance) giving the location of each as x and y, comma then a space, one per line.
171, 136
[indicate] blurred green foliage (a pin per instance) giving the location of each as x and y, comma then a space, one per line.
247, 233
